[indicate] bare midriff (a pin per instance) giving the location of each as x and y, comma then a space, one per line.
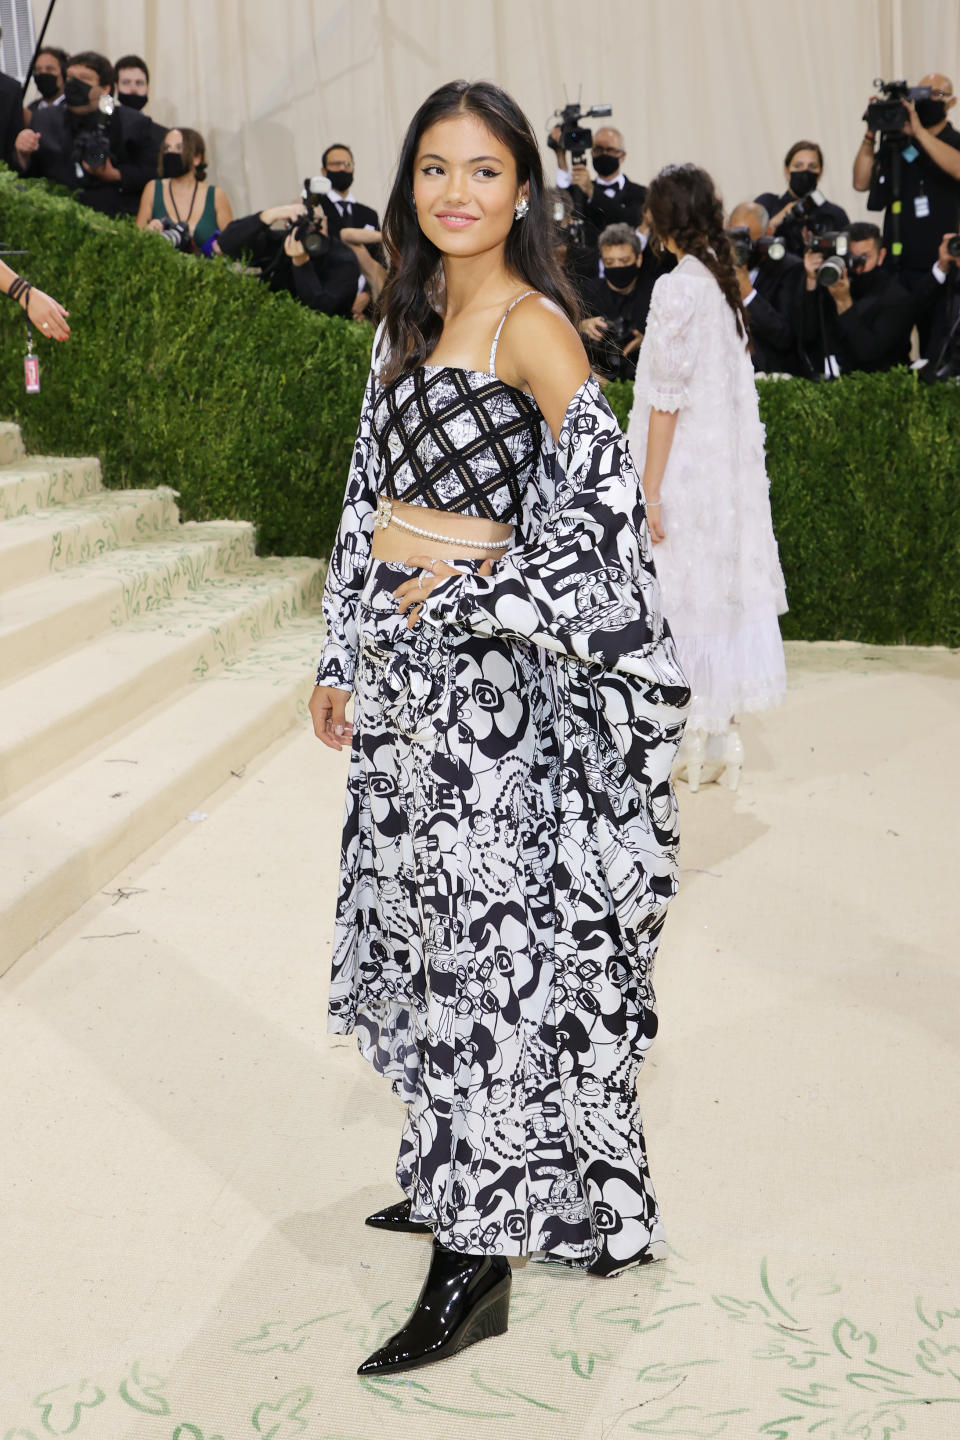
395, 543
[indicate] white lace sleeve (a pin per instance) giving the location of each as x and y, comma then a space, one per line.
670, 342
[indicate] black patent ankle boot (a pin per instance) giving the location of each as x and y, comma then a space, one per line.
397, 1217
465, 1298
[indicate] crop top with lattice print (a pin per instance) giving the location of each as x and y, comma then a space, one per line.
457, 439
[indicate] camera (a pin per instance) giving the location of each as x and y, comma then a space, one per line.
835, 246
889, 115
953, 247
176, 233
92, 147
618, 332
307, 229
568, 226
574, 137
748, 253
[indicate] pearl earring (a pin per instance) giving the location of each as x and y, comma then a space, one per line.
521, 208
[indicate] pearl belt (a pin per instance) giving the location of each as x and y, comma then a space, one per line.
385, 517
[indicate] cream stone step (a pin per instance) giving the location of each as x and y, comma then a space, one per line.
64, 843
34, 483
47, 617
11, 443
47, 540
50, 716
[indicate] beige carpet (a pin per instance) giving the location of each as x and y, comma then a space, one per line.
187, 1157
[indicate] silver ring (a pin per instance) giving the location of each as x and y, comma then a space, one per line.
45, 325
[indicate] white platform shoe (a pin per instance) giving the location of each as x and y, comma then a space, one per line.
703, 759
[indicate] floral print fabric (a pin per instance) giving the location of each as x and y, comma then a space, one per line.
509, 852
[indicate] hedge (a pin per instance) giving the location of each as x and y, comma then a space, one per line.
179, 371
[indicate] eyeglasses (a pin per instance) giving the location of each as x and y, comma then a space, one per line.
606, 150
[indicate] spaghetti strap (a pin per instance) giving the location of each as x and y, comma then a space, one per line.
496, 338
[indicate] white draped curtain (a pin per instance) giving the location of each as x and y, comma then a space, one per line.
728, 84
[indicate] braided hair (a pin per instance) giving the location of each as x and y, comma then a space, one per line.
684, 207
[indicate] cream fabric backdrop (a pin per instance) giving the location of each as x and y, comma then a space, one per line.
726, 83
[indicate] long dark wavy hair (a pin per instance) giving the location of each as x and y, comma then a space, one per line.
684, 207
412, 299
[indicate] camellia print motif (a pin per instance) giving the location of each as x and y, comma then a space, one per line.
509, 852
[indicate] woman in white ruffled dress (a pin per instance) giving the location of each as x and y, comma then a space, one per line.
697, 441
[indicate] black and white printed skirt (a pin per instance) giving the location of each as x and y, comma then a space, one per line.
478, 957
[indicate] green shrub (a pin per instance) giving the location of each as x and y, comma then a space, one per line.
865, 494
181, 372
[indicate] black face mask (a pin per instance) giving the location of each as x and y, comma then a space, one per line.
47, 84
606, 165
77, 92
804, 182
931, 112
135, 102
341, 180
620, 276
173, 166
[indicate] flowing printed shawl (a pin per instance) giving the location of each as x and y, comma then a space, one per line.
582, 587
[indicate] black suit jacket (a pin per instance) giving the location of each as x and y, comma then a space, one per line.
874, 334
620, 207
133, 151
938, 313
775, 316
360, 216
11, 117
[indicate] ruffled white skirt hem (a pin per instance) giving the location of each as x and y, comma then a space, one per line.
733, 673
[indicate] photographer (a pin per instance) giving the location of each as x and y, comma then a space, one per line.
771, 287
862, 319
344, 211
616, 306
49, 76
803, 203
102, 151
339, 204
911, 152
279, 240
610, 199
180, 205
940, 308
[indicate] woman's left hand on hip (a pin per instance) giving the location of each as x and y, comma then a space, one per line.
412, 593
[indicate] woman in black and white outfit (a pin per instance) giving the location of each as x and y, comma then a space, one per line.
509, 846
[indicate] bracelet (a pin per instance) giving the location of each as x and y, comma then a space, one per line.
652, 503
18, 286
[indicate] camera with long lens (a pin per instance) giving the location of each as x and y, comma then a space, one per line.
889, 115
574, 137
91, 146
176, 233
834, 245
748, 253
306, 228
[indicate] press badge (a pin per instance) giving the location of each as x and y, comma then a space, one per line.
31, 373
921, 206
